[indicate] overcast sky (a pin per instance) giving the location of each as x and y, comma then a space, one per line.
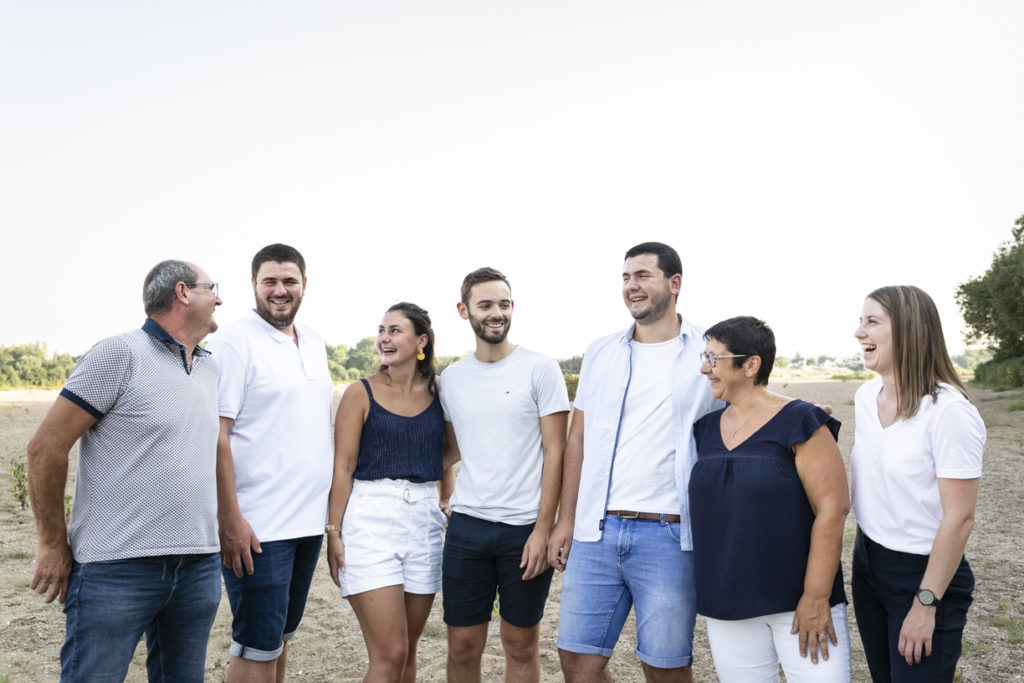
797, 154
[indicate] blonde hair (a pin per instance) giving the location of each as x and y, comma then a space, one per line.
920, 359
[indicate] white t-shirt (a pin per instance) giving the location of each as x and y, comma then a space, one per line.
279, 396
495, 409
643, 477
896, 469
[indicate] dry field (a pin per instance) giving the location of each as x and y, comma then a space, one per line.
329, 647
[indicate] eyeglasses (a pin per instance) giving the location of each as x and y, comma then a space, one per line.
711, 358
214, 287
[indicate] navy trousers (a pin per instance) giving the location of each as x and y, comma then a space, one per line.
885, 583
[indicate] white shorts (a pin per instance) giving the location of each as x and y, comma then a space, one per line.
748, 650
392, 537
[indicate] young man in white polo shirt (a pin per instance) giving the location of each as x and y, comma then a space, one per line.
275, 462
507, 409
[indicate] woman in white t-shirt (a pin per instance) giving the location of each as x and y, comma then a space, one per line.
916, 470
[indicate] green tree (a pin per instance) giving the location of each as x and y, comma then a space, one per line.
363, 359
993, 304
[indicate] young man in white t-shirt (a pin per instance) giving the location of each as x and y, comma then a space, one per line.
507, 408
624, 509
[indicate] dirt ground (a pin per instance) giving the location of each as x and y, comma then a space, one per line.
329, 646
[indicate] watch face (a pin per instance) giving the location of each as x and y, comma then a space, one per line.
926, 597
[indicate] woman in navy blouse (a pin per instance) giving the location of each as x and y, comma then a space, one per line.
768, 501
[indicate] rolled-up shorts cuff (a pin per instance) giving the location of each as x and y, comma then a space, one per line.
254, 655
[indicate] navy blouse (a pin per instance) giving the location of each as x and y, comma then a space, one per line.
750, 516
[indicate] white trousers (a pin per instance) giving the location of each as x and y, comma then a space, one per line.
750, 650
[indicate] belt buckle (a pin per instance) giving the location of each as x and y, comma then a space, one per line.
635, 515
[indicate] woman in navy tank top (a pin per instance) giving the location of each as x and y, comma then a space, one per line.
384, 519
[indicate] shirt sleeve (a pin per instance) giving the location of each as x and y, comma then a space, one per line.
549, 384
958, 441
811, 418
100, 377
231, 381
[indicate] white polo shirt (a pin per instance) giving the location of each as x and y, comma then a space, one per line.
279, 396
896, 469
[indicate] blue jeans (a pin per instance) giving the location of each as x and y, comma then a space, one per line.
636, 562
173, 599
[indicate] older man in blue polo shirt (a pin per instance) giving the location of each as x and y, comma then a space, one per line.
139, 555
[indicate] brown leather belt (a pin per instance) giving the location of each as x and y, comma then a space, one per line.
646, 516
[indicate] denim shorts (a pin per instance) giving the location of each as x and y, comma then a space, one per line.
267, 605
392, 536
481, 557
173, 599
636, 563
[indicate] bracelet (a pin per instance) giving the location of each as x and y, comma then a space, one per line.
332, 527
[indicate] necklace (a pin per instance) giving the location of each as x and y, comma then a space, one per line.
752, 413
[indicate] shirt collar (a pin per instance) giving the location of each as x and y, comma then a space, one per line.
684, 331
153, 329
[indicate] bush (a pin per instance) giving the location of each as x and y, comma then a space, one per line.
571, 382
1005, 373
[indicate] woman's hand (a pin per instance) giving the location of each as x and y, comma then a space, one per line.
335, 556
916, 634
813, 621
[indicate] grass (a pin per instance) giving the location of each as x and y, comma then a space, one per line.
855, 374
16, 555
1015, 406
1012, 624
434, 630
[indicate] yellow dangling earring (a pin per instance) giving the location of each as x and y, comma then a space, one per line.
421, 355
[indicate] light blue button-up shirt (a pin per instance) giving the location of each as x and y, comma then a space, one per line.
601, 396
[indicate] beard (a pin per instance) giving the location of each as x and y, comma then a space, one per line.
278, 321
488, 335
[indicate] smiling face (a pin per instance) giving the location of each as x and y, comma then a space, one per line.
875, 336
725, 377
489, 310
279, 288
648, 294
206, 302
397, 340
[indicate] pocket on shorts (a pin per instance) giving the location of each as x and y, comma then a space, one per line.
673, 531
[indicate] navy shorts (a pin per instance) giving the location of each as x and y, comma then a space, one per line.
267, 605
481, 558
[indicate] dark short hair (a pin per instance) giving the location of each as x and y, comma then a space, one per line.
279, 253
420, 320
747, 336
158, 288
479, 275
668, 258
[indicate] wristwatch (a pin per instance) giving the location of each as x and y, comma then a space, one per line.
927, 598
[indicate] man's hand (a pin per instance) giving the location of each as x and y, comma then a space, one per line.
559, 545
237, 543
535, 555
52, 574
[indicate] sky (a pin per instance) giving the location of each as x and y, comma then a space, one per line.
797, 155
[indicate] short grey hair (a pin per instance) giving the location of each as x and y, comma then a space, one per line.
158, 289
